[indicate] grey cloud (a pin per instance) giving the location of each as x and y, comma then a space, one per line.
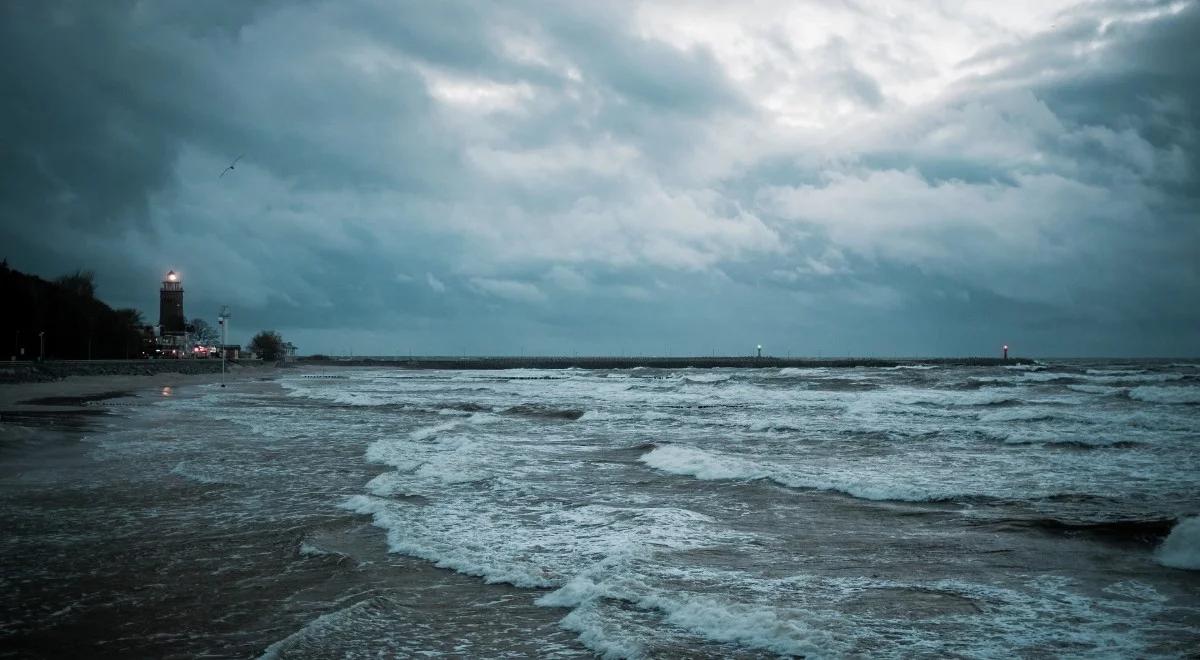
623, 190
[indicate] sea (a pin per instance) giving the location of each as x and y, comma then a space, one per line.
1041, 510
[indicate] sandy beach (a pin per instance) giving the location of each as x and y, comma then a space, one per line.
74, 392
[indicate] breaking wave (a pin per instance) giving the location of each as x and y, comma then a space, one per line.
712, 466
704, 465
1170, 395
774, 629
1182, 547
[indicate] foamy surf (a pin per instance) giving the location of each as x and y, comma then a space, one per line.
701, 464
1168, 395
1181, 549
692, 510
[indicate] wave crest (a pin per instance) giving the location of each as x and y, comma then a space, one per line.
701, 464
1170, 395
1182, 547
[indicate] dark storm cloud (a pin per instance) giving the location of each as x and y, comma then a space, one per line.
462, 176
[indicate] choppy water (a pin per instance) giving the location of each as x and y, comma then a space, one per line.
981, 512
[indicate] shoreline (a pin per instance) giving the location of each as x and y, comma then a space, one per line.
53, 370
87, 393
153, 550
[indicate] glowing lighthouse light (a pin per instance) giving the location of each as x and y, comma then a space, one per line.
172, 277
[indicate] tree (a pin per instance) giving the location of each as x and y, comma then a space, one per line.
66, 315
130, 323
131, 318
203, 333
268, 344
81, 282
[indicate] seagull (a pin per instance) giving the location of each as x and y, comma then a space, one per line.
235, 160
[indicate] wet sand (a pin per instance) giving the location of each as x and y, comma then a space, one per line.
102, 557
75, 392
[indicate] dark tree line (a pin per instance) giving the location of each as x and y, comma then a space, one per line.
75, 324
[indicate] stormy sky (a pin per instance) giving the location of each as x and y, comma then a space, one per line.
823, 178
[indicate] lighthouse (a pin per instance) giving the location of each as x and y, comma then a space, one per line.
170, 306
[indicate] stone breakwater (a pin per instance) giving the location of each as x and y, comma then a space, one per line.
35, 372
600, 362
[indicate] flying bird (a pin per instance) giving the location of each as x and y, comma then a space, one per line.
235, 160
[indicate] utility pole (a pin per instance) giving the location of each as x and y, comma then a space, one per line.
222, 320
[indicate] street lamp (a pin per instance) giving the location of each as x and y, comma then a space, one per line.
222, 320
42, 342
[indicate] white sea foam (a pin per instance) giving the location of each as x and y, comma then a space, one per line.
597, 416
595, 632
309, 550
1047, 612
463, 549
527, 504
759, 626
1181, 549
772, 425
1136, 378
870, 486
1024, 437
706, 378
1044, 376
801, 371
1153, 394
701, 464
500, 539
427, 432
864, 482
980, 397
754, 626
610, 416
